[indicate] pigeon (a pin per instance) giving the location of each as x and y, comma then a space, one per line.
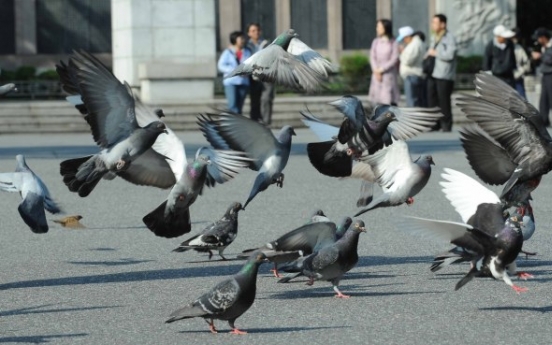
71, 222
516, 126
487, 157
35, 194
289, 62
217, 235
269, 154
172, 217
330, 263
484, 237
400, 178
301, 241
7, 88
525, 213
111, 112
228, 300
362, 135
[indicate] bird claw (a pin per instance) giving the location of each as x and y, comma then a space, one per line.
310, 282
280, 181
120, 164
524, 275
340, 295
275, 272
212, 328
519, 289
409, 201
237, 331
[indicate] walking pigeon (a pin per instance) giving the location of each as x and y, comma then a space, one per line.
330, 263
217, 235
484, 238
35, 194
71, 222
516, 126
400, 178
269, 154
112, 113
287, 61
228, 300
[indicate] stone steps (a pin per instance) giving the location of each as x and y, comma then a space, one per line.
59, 116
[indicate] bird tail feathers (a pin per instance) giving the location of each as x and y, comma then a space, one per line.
31, 210
82, 174
187, 312
172, 225
328, 161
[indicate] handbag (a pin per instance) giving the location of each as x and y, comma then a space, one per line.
428, 64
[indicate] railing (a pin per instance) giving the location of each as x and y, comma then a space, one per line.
37, 89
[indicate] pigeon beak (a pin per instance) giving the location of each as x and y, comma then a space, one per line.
362, 229
165, 131
293, 132
431, 162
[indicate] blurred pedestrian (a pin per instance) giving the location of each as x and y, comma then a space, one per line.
410, 67
384, 60
235, 88
261, 94
523, 64
542, 35
499, 57
440, 81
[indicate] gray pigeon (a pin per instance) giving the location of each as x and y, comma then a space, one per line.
217, 235
34, 192
6, 88
172, 217
287, 61
400, 178
111, 114
228, 300
330, 263
269, 154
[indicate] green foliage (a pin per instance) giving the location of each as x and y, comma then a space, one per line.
355, 70
469, 64
25, 73
7, 75
48, 75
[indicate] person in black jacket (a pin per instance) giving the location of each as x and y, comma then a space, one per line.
542, 35
499, 57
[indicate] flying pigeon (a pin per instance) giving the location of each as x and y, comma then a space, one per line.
361, 134
111, 112
71, 222
7, 88
287, 61
330, 263
518, 129
172, 217
269, 154
400, 178
217, 235
494, 165
35, 194
484, 237
228, 300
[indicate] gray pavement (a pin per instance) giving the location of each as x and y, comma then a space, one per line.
116, 283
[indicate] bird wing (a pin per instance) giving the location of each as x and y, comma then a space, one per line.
150, 169
412, 121
221, 297
323, 258
209, 130
324, 131
491, 163
243, 134
110, 103
465, 193
496, 91
224, 166
363, 171
31, 210
306, 237
312, 58
435, 229
11, 182
391, 165
49, 203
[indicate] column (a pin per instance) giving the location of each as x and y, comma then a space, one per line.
25, 27
283, 16
335, 29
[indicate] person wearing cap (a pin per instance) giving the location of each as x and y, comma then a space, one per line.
542, 35
441, 81
499, 57
410, 67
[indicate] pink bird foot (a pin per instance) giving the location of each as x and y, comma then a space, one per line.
519, 289
237, 331
524, 275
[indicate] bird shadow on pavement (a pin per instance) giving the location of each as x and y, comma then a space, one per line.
543, 310
133, 276
352, 290
270, 330
119, 262
392, 260
40, 309
103, 249
39, 339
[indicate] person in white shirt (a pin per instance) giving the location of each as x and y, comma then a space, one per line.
410, 67
523, 64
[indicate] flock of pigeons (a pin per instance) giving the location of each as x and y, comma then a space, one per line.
507, 144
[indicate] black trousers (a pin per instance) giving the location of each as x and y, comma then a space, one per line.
261, 96
439, 93
545, 102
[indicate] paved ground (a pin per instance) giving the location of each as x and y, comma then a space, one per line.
116, 283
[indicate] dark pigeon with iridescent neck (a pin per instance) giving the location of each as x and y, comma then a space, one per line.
269, 154
228, 300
